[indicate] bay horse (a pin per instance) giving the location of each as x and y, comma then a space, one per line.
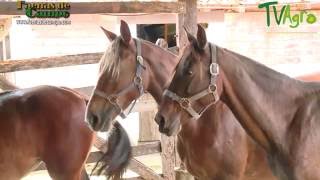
47, 124
201, 144
280, 113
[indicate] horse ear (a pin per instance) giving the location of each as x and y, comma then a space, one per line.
111, 36
201, 37
191, 38
125, 32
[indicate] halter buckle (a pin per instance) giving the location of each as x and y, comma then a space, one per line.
214, 69
113, 99
212, 88
140, 60
184, 103
137, 80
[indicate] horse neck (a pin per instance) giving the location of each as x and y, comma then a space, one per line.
161, 64
264, 101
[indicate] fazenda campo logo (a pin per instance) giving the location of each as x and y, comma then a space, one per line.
45, 9
285, 15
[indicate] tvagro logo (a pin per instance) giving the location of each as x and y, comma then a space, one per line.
44, 9
284, 16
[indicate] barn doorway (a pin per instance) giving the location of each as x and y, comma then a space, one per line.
151, 32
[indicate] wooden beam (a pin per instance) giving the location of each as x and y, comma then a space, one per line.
10, 7
254, 7
144, 171
188, 20
134, 178
139, 150
168, 156
146, 148
49, 62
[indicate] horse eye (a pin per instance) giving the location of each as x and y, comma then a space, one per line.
190, 72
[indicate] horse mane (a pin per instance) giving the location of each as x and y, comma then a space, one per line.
114, 162
110, 61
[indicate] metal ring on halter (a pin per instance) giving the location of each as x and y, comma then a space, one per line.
184, 103
214, 69
140, 60
113, 100
137, 80
212, 88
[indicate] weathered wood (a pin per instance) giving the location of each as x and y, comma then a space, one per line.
134, 178
144, 171
187, 20
6, 84
139, 150
295, 6
168, 157
100, 144
148, 127
183, 175
10, 7
178, 162
49, 62
146, 148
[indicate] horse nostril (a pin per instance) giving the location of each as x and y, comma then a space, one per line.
160, 121
93, 119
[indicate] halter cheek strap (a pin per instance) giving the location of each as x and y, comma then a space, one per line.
185, 103
136, 84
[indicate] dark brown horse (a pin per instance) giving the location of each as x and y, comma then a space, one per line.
280, 113
211, 148
47, 124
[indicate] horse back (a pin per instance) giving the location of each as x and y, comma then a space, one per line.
44, 123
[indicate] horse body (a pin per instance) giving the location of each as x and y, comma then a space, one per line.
207, 147
213, 148
281, 114
287, 123
43, 124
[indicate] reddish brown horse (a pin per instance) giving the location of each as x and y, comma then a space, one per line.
47, 124
211, 148
280, 113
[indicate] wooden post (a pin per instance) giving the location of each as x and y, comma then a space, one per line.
188, 20
168, 157
148, 127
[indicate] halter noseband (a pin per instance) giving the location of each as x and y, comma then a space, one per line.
185, 103
136, 83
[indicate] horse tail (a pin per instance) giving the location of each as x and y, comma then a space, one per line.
114, 162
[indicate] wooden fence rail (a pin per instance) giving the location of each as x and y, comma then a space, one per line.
10, 7
49, 62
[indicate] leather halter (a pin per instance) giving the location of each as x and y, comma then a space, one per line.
136, 84
185, 102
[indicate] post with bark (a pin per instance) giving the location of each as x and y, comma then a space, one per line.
186, 20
